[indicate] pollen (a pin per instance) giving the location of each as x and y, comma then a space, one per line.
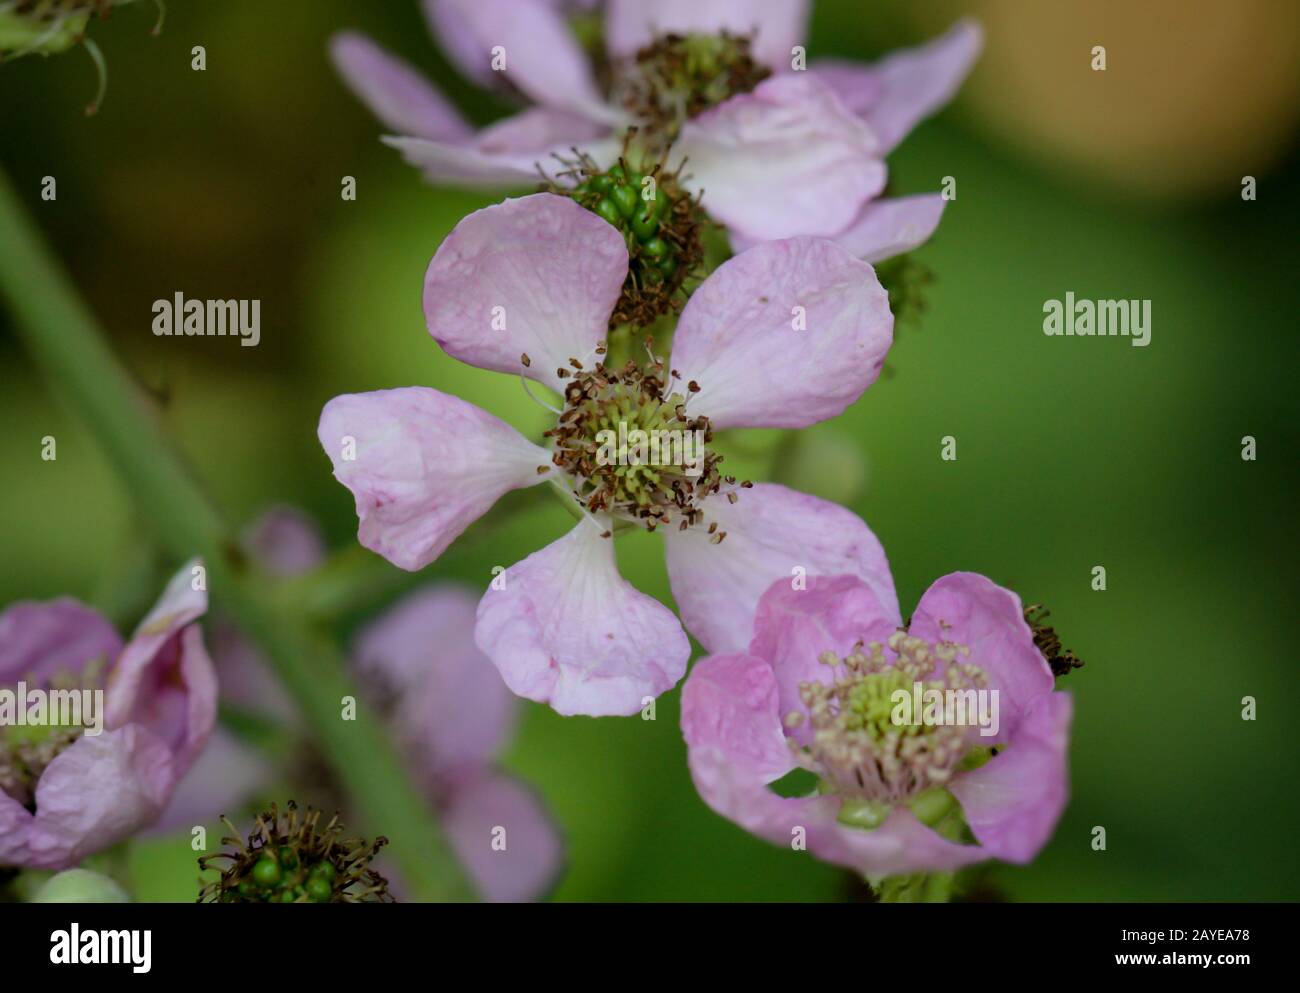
857, 747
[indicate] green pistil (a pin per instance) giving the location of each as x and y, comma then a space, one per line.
660, 224
869, 707
289, 859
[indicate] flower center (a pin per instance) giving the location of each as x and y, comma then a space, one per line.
676, 77
293, 859
867, 742
630, 448
29, 743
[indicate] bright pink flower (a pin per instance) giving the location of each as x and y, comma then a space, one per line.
753, 716
67, 795
539, 277
802, 153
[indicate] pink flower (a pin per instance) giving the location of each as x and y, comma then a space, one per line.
443, 702
527, 287
451, 715
751, 717
790, 153
65, 794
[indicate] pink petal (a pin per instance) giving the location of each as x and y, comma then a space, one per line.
760, 360
537, 132
39, 641
543, 59
886, 228
857, 85
284, 541
546, 271
566, 629
464, 165
778, 25
398, 95
15, 826
1013, 802
787, 159
972, 610
771, 532
901, 845
427, 465
729, 702
533, 853
794, 626
101, 789
915, 82
450, 706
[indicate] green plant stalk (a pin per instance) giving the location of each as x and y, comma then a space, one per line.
64, 341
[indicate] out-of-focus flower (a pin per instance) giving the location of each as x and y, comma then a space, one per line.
65, 794
816, 690
80, 886
785, 335
780, 150
442, 700
452, 715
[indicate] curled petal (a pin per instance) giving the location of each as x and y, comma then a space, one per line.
787, 159
398, 95
773, 533
969, 609
915, 82
39, 641
422, 466
1012, 803
795, 623
449, 704
536, 276
502, 833
566, 629
777, 26
784, 335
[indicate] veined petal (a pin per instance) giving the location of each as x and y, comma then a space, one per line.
502, 833
857, 85
536, 276
1012, 803
784, 335
422, 466
397, 94
915, 82
567, 630
772, 533
777, 25
972, 610
787, 159
524, 42
450, 707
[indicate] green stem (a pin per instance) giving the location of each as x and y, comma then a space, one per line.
65, 343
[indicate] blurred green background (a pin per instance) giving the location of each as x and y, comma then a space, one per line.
1072, 452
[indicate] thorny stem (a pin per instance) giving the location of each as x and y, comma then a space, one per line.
65, 342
